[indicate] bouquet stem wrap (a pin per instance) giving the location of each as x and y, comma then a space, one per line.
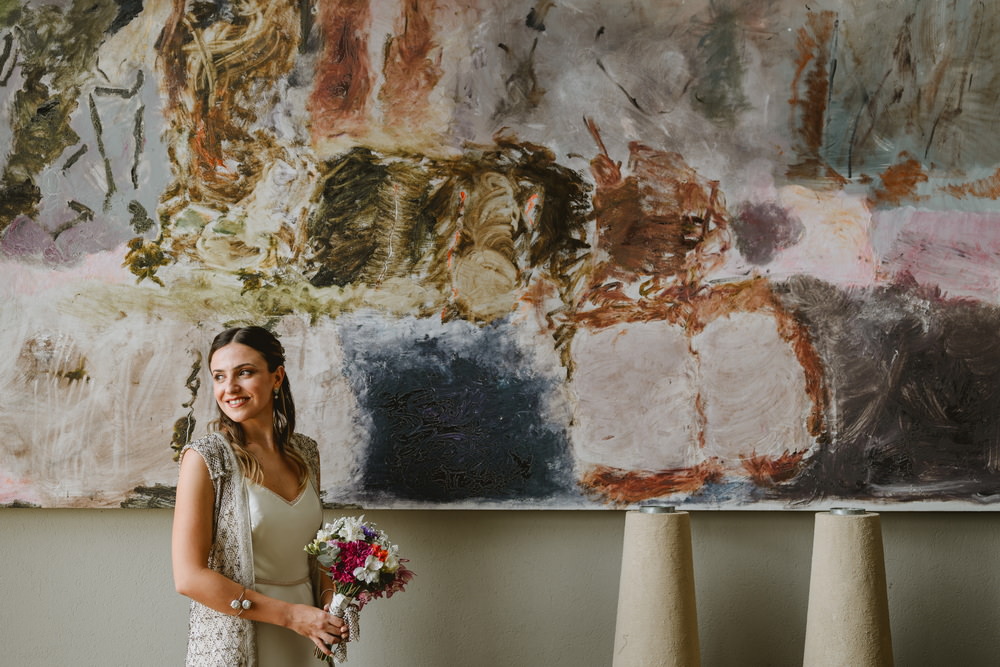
343, 607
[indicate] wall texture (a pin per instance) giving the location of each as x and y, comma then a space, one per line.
504, 589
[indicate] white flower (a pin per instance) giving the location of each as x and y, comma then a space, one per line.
392, 560
368, 573
350, 530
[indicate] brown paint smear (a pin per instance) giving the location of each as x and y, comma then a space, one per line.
483, 263
339, 100
628, 486
773, 470
411, 69
660, 221
810, 92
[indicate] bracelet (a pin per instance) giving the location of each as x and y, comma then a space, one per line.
241, 603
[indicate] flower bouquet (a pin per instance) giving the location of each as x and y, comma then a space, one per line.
363, 566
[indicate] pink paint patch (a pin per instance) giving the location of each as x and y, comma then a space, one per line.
24, 278
956, 252
12, 489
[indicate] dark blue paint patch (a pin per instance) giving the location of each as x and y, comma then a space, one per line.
455, 413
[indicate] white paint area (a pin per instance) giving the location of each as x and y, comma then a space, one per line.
647, 367
751, 385
753, 388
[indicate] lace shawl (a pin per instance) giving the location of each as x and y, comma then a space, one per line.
216, 639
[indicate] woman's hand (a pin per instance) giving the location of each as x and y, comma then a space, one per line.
321, 627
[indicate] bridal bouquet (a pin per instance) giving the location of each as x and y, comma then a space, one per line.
363, 565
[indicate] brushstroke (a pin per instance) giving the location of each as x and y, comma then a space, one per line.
814, 68
718, 91
49, 94
536, 17
911, 371
339, 102
624, 487
446, 408
411, 68
127, 10
109, 177
899, 182
983, 188
215, 67
955, 254
370, 223
522, 90
658, 221
763, 230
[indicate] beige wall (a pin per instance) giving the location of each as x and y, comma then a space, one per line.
504, 589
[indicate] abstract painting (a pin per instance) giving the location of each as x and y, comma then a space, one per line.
737, 254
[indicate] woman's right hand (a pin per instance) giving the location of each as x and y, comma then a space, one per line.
322, 628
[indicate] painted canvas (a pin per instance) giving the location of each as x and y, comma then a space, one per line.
542, 254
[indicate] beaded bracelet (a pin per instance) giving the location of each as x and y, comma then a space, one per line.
241, 603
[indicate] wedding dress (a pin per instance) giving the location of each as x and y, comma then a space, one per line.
281, 529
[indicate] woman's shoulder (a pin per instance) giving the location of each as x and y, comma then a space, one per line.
213, 449
308, 450
304, 443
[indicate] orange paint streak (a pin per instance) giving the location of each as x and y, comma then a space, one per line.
899, 183
768, 471
529, 209
628, 486
984, 188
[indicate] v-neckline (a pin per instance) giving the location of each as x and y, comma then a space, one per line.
280, 497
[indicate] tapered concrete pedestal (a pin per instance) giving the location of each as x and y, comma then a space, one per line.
848, 617
657, 622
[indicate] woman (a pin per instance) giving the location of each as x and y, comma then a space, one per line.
247, 504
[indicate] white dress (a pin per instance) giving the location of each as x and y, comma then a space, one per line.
281, 530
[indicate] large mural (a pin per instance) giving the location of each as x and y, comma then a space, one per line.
716, 253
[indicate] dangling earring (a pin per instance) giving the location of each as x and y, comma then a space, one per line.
275, 394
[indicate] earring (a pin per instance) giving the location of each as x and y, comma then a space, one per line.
275, 394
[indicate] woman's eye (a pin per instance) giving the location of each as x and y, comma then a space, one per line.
245, 372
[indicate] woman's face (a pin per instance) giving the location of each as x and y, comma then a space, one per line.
243, 385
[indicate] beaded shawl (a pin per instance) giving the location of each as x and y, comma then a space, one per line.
216, 639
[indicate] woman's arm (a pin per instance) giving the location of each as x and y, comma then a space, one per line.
191, 543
